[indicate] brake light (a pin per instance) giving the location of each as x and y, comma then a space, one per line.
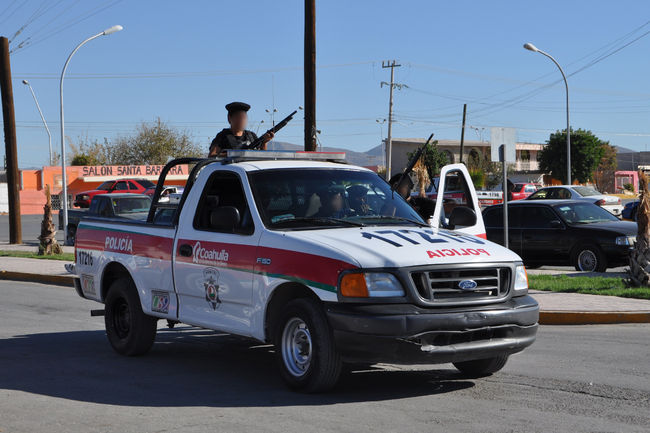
601, 202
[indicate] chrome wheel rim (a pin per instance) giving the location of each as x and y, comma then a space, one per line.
587, 261
296, 347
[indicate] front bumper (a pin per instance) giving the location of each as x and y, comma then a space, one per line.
408, 334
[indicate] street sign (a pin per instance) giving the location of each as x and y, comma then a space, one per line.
506, 137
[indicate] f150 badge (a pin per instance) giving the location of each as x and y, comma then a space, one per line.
210, 283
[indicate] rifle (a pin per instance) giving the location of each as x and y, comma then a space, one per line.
258, 143
411, 164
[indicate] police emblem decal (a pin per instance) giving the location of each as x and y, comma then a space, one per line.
211, 286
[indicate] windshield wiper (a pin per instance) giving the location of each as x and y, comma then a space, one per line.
399, 218
327, 220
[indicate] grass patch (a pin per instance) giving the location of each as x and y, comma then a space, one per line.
587, 285
29, 255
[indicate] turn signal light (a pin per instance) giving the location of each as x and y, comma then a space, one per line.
354, 285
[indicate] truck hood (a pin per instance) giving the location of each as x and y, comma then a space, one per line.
402, 246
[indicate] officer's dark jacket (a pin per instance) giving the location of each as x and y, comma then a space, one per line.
227, 140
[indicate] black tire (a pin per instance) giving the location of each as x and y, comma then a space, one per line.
304, 347
129, 330
482, 367
589, 258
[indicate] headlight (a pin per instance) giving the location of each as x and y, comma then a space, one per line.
521, 281
370, 285
626, 240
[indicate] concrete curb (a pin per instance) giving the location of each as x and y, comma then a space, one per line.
59, 280
592, 317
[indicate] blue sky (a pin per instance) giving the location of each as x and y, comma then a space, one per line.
183, 61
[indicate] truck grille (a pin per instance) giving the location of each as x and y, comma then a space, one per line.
462, 285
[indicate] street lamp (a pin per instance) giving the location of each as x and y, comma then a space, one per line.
64, 181
49, 136
533, 48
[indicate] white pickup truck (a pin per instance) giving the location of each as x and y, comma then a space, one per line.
319, 258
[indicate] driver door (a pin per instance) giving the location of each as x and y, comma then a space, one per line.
456, 196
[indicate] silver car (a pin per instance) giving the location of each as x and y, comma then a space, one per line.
577, 192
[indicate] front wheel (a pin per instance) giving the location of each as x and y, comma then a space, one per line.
129, 330
589, 258
305, 349
482, 367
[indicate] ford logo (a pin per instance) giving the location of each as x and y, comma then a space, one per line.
467, 285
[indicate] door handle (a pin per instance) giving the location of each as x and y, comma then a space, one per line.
185, 250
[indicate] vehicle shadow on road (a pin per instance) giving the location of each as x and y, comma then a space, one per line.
188, 367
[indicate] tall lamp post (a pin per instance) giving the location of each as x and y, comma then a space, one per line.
64, 179
49, 136
533, 48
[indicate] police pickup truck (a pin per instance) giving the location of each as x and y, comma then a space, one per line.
317, 257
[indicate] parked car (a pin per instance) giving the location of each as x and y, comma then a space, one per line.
563, 232
629, 210
523, 190
117, 206
168, 193
128, 186
610, 203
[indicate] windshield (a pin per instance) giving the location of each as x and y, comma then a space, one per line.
308, 198
586, 191
131, 205
584, 213
106, 185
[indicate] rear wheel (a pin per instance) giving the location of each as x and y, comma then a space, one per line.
129, 330
482, 367
304, 347
589, 258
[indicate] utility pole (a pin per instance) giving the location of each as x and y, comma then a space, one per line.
462, 133
9, 119
389, 144
310, 75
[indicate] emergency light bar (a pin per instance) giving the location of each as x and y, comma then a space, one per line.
257, 155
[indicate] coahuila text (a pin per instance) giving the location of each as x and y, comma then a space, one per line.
204, 255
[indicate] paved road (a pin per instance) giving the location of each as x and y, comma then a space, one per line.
58, 374
31, 225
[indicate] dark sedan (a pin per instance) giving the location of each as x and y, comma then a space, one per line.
563, 232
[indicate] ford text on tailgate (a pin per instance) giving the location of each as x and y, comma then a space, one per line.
319, 258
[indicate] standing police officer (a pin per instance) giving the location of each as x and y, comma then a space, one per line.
237, 136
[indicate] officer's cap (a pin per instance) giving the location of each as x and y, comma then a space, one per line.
357, 190
234, 107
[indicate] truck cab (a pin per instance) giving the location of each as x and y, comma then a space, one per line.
317, 257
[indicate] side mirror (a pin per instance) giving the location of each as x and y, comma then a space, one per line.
556, 224
462, 216
225, 218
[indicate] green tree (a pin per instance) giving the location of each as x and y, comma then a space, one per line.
586, 153
432, 158
154, 145
89, 152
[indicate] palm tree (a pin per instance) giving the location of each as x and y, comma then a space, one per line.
48, 245
640, 257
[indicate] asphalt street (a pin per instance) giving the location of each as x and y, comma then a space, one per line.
59, 374
31, 225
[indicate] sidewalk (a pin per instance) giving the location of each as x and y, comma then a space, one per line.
35, 270
555, 308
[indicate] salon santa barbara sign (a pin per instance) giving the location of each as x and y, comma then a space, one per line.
130, 170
